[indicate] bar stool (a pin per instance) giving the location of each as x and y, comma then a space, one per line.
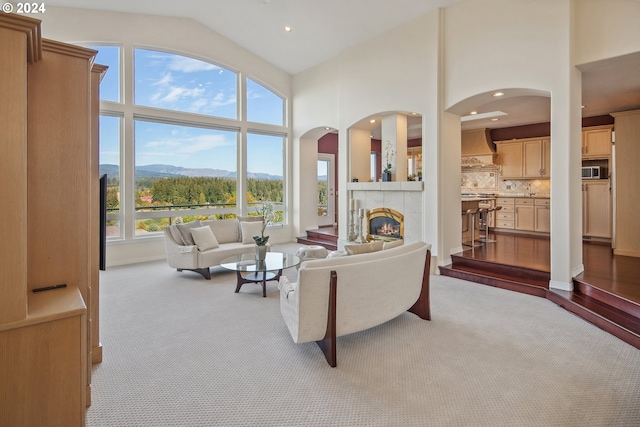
473, 213
486, 236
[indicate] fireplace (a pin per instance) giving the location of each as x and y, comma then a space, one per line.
385, 224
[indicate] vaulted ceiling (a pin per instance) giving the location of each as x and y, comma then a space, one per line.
322, 29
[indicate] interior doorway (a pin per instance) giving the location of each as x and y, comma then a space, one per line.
326, 190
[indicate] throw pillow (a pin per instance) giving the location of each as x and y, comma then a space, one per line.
225, 230
185, 231
250, 229
204, 238
364, 248
392, 244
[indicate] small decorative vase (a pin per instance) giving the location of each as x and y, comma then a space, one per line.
386, 176
261, 252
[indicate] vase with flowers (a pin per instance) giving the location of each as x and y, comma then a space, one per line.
388, 159
266, 215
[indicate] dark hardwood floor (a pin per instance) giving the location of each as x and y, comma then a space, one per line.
607, 293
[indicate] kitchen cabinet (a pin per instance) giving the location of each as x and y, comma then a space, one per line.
536, 158
596, 142
596, 208
524, 215
525, 158
542, 215
626, 234
504, 217
510, 158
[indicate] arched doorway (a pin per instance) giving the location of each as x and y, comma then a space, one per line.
506, 184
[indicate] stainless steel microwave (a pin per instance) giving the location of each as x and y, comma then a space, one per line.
592, 172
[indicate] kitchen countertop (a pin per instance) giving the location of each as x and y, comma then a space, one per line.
477, 198
524, 196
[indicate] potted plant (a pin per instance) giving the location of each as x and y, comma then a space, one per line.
266, 214
388, 157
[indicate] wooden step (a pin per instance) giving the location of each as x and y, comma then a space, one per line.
608, 318
498, 280
321, 235
511, 272
329, 245
616, 301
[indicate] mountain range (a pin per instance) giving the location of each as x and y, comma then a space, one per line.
169, 171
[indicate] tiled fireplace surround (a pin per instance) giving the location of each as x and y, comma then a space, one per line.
405, 197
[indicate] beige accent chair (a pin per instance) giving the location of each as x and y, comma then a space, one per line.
339, 296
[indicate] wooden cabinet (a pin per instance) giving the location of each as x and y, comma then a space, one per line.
525, 158
626, 235
596, 142
43, 362
524, 215
542, 215
505, 216
536, 158
596, 208
510, 158
48, 228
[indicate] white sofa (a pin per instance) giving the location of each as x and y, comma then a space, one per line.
195, 251
339, 296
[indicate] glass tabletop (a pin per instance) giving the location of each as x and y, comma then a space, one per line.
247, 262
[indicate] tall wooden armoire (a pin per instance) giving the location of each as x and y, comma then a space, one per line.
49, 188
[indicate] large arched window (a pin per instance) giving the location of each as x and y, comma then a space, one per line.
176, 146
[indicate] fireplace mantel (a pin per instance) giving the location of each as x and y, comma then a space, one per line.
386, 186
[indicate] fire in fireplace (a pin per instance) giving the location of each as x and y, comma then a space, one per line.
385, 224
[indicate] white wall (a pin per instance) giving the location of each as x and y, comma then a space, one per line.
606, 29
396, 71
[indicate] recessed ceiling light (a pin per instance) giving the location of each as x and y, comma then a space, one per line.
327, 128
372, 121
498, 94
473, 112
287, 29
489, 115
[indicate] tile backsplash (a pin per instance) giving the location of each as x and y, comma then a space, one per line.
488, 181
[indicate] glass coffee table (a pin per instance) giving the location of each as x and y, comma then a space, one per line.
259, 271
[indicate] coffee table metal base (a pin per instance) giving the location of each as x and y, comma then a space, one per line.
258, 277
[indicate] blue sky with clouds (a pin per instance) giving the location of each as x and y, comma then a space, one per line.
179, 83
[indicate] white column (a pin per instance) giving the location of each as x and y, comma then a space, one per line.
566, 180
394, 139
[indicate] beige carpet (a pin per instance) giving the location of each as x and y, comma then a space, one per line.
183, 351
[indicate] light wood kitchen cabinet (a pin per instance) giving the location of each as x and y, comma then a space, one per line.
525, 158
596, 142
524, 215
542, 215
627, 202
596, 208
510, 158
504, 217
536, 158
